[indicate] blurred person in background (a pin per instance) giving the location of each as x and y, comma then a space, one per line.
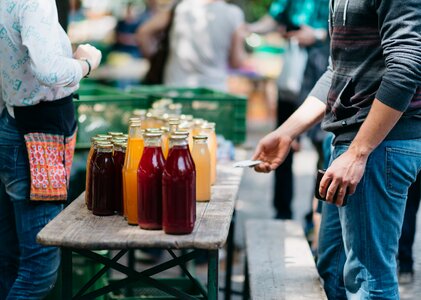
205, 39
126, 28
38, 74
76, 13
305, 21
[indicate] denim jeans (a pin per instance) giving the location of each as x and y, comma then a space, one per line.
406, 261
27, 269
363, 263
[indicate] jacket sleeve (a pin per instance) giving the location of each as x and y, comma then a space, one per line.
400, 31
42, 35
322, 87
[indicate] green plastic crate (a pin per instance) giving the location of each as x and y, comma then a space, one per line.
83, 270
144, 291
226, 110
101, 109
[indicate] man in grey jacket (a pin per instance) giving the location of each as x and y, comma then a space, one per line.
370, 98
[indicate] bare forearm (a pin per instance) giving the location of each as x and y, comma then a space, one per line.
380, 120
264, 25
306, 116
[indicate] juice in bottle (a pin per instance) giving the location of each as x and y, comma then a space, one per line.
89, 172
209, 130
201, 158
179, 189
89, 167
118, 160
103, 192
165, 141
134, 152
197, 126
131, 121
149, 186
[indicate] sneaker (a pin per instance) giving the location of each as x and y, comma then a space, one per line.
406, 277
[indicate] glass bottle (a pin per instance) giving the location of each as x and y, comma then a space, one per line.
134, 152
119, 153
165, 141
209, 130
201, 158
179, 189
149, 183
173, 125
103, 192
115, 134
89, 166
197, 126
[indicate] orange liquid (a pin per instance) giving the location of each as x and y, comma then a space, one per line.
165, 145
134, 153
213, 147
201, 157
88, 175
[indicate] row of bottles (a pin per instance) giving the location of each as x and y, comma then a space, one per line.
140, 184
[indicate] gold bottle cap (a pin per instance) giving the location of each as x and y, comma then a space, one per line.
114, 134
106, 136
178, 137
200, 137
105, 146
154, 134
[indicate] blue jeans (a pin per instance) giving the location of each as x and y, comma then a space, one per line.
27, 269
362, 265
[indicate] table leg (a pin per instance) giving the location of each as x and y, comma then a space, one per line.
229, 260
66, 275
213, 274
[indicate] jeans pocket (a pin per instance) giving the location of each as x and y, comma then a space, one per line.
402, 167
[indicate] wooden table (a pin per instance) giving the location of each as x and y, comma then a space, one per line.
77, 230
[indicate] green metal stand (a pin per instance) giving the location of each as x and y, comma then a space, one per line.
134, 276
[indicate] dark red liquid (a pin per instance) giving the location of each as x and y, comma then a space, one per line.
118, 160
88, 188
103, 192
179, 192
149, 188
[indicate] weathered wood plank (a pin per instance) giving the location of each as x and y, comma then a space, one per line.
280, 262
76, 226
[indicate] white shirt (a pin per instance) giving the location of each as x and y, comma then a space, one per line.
200, 44
35, 54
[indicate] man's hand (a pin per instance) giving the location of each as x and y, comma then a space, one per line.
272, 150
306, 36
343, 176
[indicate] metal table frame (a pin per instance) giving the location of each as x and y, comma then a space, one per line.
135, 276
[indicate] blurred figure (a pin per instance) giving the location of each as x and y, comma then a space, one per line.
205, 39
126, 28
307, 23
76, 13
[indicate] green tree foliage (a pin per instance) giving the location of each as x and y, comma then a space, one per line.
253, 9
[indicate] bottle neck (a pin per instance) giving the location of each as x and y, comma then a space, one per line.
153, 142
105, 150
200, 142
179, 143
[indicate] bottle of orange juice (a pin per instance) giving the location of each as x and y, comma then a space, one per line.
165, 141
197, 126
135, 145
201, 158
209, 130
